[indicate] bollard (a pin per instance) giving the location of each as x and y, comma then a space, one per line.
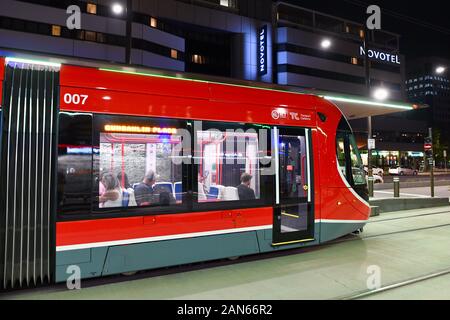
370, 186
396, 187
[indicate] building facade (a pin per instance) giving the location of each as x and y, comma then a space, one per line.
255, 40
428, 82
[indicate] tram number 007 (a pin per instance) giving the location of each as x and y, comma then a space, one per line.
75, 98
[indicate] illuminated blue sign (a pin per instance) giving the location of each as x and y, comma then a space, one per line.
262, 51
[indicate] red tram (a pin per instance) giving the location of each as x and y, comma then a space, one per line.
116, 171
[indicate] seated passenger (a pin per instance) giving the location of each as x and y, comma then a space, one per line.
127, 190
244, 190
143, 192
162, 196
112, 197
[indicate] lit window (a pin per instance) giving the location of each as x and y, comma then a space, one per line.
91, 8
173, 54
196, 58
361, 33
354, 60
90, 36
56, 31
347, 29
153, 22
228, 3
101, 37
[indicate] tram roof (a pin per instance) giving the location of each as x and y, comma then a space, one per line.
353, 107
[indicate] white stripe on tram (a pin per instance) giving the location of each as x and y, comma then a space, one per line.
184, 236
158, 238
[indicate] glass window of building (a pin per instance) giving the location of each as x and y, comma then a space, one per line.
361, 33
153, 22
228, 3
354, 61
173, 54
56, 31
199, 59
90, 36
91, 8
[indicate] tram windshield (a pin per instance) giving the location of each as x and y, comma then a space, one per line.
349, 159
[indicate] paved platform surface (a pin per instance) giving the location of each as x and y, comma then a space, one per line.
403, 245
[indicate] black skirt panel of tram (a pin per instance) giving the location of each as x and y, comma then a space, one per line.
28, 175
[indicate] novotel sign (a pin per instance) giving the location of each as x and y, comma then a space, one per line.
262, 51
379, 55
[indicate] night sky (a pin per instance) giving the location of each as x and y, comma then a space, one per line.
416, 40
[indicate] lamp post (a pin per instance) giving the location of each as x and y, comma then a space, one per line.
118, 9
369, 118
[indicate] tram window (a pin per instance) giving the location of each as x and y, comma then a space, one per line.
293, 166
139, 164
228, 165
359, 175
74, 163
340, 144
349, 159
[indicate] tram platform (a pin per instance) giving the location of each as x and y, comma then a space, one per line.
402, 246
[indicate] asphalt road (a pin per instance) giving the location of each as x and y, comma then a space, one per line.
416, 192
413, 181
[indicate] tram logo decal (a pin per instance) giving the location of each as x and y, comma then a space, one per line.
278, 114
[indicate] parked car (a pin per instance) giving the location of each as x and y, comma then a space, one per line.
376, 179
375, 170
403, 171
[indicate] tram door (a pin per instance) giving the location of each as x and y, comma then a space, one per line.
293, 214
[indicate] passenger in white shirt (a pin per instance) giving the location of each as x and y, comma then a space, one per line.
115, 196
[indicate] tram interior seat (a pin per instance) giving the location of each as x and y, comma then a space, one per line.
231, 194
166, 185
178, 191
213, 193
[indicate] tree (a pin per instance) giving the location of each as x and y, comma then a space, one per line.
440, 143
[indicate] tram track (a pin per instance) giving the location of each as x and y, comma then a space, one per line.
392, 286
403, 283
409, 217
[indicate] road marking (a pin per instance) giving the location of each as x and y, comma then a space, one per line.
405, 194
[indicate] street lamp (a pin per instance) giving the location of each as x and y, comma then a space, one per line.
326, 43
117, 8
440, 69
381, 94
